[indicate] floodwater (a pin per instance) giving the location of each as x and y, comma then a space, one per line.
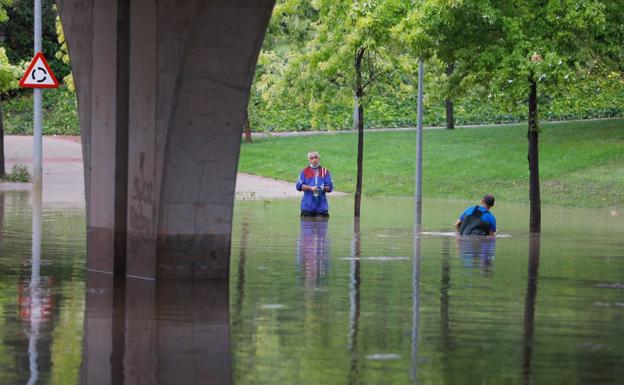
324, 302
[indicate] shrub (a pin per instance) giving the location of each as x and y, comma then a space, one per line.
19, 173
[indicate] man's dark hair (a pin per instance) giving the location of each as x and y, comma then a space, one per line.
488, 199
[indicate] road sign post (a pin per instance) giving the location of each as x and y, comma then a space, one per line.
38, 75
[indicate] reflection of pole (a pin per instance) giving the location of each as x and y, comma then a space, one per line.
417, 224
445, 284
34, 286
419, 130
354, 299
416, 299
37, 108
529, 306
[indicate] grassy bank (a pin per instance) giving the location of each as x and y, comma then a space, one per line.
581, 163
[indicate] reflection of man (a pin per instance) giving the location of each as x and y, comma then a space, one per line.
313, 251
478, 220
477, 251
315, 181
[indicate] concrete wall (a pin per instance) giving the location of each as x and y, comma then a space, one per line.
162, 91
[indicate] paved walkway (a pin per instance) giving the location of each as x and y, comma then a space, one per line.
63, 179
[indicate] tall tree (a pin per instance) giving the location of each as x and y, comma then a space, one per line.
520, 50
9, 75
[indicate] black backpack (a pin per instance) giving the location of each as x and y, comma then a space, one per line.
474, 225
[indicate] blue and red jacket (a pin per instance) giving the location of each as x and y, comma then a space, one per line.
318, 177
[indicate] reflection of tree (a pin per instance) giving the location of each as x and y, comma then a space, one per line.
529, 306
237, 316
242, 260
354, 299
1, 213
416, 298
445, 285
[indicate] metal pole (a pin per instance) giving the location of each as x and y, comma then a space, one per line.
419, 129
37, 112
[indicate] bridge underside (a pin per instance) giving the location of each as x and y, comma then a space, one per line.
162, 90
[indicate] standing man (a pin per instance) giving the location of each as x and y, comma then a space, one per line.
478, 220
315, 181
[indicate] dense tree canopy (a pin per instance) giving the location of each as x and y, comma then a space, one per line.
18, 32
488, 44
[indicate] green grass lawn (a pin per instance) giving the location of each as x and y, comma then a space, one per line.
581, 163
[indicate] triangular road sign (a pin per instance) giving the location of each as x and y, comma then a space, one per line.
39, 74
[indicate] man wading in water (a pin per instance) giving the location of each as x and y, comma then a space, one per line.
315, 181
478, 220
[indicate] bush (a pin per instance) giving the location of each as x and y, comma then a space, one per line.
19, 173
598, 97
60, 116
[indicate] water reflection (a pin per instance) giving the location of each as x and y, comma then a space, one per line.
416, 297
2, 199
35, 300
313, 251
426, 319
242, 260
445, 285
140, 332
529, 306
354, 301
477, 252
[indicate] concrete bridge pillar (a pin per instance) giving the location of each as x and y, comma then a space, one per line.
162, 90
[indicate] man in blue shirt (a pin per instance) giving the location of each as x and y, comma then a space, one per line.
478, 220
315, 181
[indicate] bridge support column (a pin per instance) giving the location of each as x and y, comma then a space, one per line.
162, 91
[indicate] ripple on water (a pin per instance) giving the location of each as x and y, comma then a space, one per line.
381, 258
383, 357
273, 306
617, 285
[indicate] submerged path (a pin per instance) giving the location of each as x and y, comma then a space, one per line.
63, 179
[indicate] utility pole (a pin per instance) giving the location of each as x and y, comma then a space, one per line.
37, 112
419, 130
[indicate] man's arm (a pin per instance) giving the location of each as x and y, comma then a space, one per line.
300, 186
328, 185
458, 224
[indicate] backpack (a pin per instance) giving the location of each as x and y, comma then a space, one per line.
474, 225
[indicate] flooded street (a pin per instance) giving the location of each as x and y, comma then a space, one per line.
324, 302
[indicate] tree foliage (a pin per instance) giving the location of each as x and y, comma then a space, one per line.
63, 55
9, 73
18, 31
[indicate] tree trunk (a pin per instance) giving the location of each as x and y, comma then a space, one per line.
533, 136
2, 169
247, 128
450, 118
359, 92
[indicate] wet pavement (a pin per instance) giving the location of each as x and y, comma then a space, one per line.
63, 178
